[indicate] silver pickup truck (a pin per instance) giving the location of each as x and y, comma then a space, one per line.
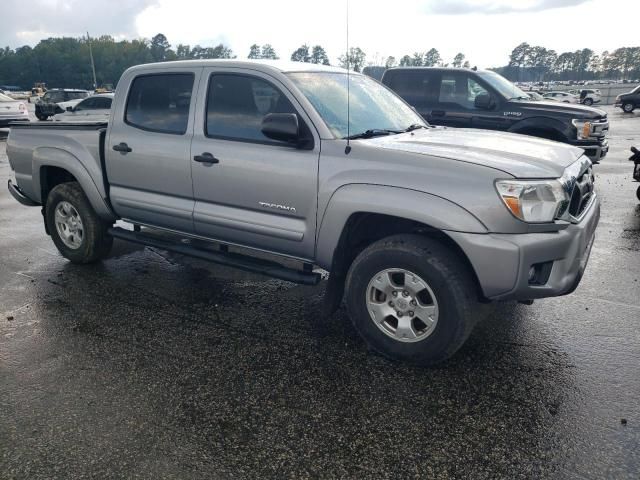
418, 226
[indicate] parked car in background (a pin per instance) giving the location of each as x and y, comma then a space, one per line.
628, 102
535, 95
57, 100
483, 99
12, 110
564, 97
410, 220
95, 108
588, 96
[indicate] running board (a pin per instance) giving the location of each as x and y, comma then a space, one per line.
235, 260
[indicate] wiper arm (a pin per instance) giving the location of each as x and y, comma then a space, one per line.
415, 126
374, 132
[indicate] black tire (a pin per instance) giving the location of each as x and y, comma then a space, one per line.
96, 242
41, 116
628, 107
449, 279
638, 193
588, 102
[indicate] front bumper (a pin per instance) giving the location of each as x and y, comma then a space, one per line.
595, 151
16, 193
515, 254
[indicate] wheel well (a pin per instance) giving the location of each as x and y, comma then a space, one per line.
545, 133
363, 229
50, 177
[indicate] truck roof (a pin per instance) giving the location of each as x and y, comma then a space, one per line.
281, 66
442, 69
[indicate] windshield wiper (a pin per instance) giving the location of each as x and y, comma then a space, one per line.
415, 126
374, 132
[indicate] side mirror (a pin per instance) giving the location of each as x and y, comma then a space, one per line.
283, 127
483, 101
69, 109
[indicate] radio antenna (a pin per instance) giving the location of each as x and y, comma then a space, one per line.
347, 149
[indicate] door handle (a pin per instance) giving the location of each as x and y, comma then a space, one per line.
206, 157
438, 113
122, 148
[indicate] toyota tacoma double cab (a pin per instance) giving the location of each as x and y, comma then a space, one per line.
460, 97
419, 226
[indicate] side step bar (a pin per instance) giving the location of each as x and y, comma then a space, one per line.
235, 260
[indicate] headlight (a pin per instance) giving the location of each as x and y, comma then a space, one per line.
583, 127
534, 201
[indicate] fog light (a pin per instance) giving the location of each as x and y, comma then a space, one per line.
539, 273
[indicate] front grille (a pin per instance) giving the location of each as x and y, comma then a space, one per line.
600, 127
582, 193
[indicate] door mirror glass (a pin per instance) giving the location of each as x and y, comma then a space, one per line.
483, 101
283, 127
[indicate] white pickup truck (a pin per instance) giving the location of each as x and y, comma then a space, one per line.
418, 226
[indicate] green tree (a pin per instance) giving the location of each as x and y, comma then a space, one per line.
390, 62
458, 60
406, 61
355, 60
301, 54
269, 52
319, 55
254, 51
432, 58
159, 48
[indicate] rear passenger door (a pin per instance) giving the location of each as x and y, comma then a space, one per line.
148, 149
259, 193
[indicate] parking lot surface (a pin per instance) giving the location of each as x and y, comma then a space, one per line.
150, 365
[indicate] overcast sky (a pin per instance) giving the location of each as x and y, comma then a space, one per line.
484, 30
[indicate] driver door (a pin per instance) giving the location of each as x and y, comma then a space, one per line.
256, 192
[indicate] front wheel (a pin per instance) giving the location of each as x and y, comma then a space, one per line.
41, 116
638, 193
411, 299
76, 229
588, 102
628, 107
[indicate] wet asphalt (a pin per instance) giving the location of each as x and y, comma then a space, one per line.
151, 365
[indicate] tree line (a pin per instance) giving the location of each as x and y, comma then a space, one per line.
65, 62
536, 63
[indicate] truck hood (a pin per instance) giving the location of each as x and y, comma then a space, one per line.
518, 155
570, 109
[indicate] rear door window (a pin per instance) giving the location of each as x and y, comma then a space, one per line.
413, 86
87, 104
160, 103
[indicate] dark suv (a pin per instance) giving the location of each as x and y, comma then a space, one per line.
483, 99
628, 102
49, 104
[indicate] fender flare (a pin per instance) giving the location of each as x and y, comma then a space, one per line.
543, 123
418, 206
56, 157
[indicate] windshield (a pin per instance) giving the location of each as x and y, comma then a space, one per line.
373, 107
4, 98
507, 89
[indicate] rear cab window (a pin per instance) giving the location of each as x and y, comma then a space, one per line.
160, 102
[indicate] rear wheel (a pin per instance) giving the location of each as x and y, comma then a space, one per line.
638, 193
628, 107
76, 229
41, 116
411, 299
